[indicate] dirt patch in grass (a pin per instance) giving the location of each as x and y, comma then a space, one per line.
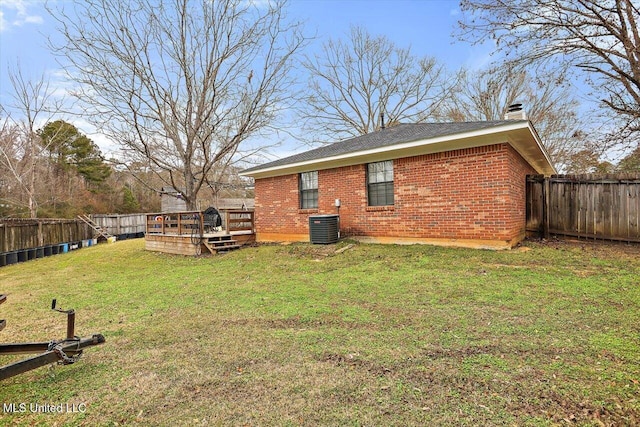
601, 248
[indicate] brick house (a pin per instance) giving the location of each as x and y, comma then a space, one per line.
454, 184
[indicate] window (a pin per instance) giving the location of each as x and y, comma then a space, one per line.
380, 183
309, 190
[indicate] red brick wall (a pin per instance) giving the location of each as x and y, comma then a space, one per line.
475, 193
276, 206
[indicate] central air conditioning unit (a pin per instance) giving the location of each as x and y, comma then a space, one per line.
324, 229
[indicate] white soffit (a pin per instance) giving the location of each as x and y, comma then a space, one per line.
520, 135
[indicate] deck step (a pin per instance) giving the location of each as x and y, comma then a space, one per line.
221, 238
220, 246
222, 242
227, 248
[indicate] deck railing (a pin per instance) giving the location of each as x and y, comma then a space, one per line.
175, 223
193, 222
239, 220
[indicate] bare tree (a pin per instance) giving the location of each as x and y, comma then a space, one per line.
549, 104
11, 154
180, 84
21, 151
599, 37
352, 82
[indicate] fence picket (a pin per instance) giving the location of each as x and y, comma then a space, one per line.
593, 206
20, 234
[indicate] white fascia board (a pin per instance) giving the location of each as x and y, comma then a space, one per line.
550, 170
505, 133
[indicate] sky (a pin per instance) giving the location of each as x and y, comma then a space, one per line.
426, 26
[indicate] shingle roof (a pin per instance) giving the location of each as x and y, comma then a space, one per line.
402, 133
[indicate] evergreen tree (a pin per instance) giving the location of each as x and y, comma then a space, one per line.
71, 149
129, 203
630, 163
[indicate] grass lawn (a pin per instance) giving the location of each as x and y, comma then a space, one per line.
306, 335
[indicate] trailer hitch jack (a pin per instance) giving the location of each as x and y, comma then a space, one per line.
71, 319
65, 352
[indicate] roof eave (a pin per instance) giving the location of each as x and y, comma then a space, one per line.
518, 134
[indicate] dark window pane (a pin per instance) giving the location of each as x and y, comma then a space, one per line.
309, 199
381, 194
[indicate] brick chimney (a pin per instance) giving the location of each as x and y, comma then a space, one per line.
515, 112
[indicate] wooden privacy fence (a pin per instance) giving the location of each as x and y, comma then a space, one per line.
125, 226
591, 206
20, 234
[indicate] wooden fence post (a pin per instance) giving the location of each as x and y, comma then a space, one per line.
545, 206
40, 234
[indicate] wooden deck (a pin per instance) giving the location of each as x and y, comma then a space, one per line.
189, 233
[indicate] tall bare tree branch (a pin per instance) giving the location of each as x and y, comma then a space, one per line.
21, 150
352, 82
181, 84
485, 95
599, 37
